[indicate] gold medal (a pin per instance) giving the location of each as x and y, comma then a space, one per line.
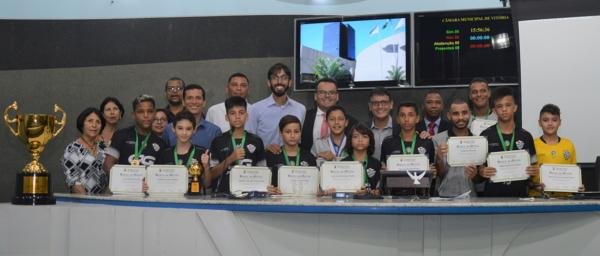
135, 162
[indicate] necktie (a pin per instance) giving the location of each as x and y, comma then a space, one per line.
431, 129
324, 127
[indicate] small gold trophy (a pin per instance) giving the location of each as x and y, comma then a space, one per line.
195, 186
33, 183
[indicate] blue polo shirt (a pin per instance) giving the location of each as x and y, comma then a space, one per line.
265, 115
204, 135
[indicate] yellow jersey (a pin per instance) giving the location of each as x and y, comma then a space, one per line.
561, 153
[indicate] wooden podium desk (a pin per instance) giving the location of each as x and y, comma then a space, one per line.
137, 225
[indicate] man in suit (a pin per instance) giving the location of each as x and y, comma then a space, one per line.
432, 122
315, 125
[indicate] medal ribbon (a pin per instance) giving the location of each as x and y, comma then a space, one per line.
287, 159
336, 149
189, 161
138, 149
364, 164
412, 146
242, 144
512, 140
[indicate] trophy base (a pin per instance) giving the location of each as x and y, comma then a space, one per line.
33, 189
194, 189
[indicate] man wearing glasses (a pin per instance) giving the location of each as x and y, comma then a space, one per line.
265, 114
315, 125
382, 125
174, 93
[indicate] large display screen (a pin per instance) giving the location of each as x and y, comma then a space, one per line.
356, 52
453, 47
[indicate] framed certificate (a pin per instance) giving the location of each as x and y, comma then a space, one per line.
167, 179
127, 179
298, 180
249, 178
478, 125
345, 176
416, 162
467, 150
560, 177
510, 165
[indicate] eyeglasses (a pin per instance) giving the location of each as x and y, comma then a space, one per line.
326, 93
280, 78
380, 103
174, 89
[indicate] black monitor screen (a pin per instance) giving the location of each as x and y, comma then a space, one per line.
356, 52
453, 47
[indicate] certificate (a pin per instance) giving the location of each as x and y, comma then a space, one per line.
560, 177
468, 150
416, 162
298, 180
344, 176
510, 165
126, 179
478, 125
167, 179
249, 178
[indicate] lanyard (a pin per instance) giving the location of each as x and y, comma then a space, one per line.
287, 159
138, 149
364, 164
412, 146
189, 161
512, 140
337, 149
241, 145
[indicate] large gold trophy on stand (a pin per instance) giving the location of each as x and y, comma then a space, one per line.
33, 183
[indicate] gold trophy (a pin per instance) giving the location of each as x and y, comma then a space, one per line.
195, 186
33, 183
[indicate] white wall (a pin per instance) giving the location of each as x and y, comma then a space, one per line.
114, 9
560, 64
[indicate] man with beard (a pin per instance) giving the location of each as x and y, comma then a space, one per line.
454, 181
432, 121
265, 114
174, 93
315, 125
237, 85
194, 101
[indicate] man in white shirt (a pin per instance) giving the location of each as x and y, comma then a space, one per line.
237, 85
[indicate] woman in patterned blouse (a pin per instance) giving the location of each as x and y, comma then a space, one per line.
83, 158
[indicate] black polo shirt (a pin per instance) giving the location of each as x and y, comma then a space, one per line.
391, 146
123, 147
373, 171
166, 157
274, 161
523, 141
221, 147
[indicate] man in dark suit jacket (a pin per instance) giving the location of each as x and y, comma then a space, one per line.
432, 122
326, 95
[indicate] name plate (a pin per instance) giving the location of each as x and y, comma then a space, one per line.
416, 162
510, 165
345, 176
298, 180
249, 178
167, 179
478, 125
468, 150
560, 177
126, 179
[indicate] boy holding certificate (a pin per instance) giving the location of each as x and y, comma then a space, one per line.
409, 141
360, 149
290, 130
235, 147
184, 152
454, 180
552, 149
505, 136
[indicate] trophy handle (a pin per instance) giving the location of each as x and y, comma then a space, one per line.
62, 121
8, 121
